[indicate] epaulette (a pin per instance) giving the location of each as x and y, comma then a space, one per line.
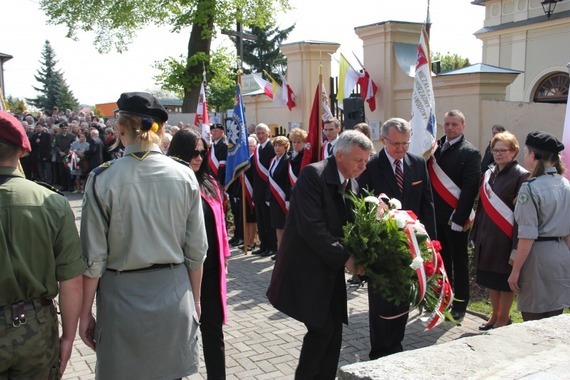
530, 179
180, 161
105, 165
50, 187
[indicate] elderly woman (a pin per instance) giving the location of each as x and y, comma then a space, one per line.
541, 268
79, 163
144, 240
494, 230
188, 146
298, 139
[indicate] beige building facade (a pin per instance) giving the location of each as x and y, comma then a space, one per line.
522, 49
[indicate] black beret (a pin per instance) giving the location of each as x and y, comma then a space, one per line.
217, 126
544, 141
142, 104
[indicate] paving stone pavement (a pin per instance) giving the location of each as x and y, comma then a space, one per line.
262, 343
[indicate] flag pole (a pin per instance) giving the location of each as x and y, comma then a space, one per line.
243, 189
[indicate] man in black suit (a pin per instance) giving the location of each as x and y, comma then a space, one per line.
308, 281
454, 190
387, 170
261, 162
41, 153
218, 153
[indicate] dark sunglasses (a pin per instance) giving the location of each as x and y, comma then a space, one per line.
201, 153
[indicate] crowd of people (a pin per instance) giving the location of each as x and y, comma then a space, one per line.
156, 268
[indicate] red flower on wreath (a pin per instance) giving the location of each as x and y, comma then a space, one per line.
429, 268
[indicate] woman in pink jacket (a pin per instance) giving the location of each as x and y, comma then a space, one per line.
188, 146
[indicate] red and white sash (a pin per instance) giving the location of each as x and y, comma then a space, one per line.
292, 176
248, 192
446, 188
498, 211
214, 163
262, 171
277, 192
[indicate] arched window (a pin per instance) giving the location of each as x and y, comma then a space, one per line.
553, 89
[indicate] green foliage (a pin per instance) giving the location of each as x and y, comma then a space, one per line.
116, 22
53, 88
220, 90
381, 247
263, 54
450, 62
16, 104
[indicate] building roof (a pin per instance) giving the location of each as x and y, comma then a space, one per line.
479, 68
5, 57
520, 23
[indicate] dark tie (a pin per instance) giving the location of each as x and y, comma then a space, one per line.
344, 185
399, 175
329, 149
445, 146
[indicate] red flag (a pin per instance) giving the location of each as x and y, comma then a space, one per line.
368, 89
201, 120
288, 94
313, 153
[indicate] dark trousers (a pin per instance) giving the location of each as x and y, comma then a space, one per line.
267, 237
65, 176
321, 350
236, 208
211, 322
454, 255
386, 335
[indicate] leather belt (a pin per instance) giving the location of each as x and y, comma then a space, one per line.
152, 267
547, 238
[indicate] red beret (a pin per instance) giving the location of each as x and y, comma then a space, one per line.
12, 131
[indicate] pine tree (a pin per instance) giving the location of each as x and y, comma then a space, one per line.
263, 53
54, 91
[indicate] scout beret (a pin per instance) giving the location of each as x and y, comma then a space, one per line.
142, 104
217, 126
544, 141
12, 132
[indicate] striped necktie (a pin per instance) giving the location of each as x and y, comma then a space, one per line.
399, 175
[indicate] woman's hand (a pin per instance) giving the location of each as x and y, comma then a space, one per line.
514, 281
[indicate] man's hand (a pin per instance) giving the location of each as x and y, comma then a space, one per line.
87, 325
353, 269
456, 227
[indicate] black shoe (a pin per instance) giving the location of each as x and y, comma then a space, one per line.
232, 240
457, 315
274, 257
237, 242
258, 251
267, 253
486, 327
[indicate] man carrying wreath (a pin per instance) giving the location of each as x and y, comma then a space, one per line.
311, 251
403, 176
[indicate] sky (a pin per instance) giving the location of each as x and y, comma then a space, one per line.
101, 78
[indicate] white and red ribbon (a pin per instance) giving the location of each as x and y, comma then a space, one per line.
498, 211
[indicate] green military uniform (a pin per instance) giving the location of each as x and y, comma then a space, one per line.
39, 247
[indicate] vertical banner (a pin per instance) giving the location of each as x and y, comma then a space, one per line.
424, 127
238, 152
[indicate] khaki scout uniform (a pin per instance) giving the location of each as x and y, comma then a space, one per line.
541, 212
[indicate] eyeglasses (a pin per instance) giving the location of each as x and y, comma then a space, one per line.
201, 153
500, 151
398, 144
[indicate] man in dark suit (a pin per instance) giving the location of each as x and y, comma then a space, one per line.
311, 251
382, 175
455, 175
261, 162
218, 153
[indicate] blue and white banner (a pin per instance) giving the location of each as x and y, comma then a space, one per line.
238, 152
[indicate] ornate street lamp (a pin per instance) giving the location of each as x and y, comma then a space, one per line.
548, 6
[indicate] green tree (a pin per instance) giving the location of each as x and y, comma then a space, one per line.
115, 22
16, 104
450, 62
220, 89
263, 54
53, 90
